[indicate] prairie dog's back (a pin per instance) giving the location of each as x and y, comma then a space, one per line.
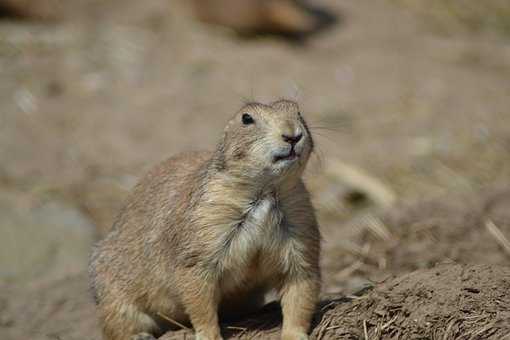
163, 186
163, 190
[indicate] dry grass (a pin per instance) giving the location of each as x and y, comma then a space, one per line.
498, 235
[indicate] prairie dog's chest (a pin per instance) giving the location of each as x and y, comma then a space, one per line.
257, 239
263, 217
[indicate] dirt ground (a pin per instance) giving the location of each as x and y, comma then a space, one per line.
449, 301
409, 106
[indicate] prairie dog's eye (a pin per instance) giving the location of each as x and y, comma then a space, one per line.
247, 119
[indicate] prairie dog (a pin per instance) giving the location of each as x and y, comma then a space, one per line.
252, 16
205, 234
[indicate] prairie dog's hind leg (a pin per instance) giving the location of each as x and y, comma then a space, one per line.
127, 322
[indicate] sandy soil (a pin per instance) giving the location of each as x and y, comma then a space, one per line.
413, 131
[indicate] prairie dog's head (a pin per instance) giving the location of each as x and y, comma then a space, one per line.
267, 141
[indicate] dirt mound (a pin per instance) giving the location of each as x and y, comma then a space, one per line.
460, 228
455, 227
450, 301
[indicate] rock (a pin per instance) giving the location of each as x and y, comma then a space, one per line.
48, 239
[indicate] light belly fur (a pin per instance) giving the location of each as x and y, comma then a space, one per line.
256, 248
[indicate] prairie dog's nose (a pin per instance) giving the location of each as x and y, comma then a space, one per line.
292, 140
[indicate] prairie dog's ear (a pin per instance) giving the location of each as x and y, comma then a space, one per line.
285, 104
287, 15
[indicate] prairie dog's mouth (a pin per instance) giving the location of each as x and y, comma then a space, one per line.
288, 156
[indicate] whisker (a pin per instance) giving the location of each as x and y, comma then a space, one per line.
338, 122
329, 138
329, 128
319, 155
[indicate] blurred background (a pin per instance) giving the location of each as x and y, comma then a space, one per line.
408, 101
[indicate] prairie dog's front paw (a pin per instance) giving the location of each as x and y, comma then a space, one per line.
203, 336
294, 336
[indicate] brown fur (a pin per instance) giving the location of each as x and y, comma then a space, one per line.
207, 232
251, 16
